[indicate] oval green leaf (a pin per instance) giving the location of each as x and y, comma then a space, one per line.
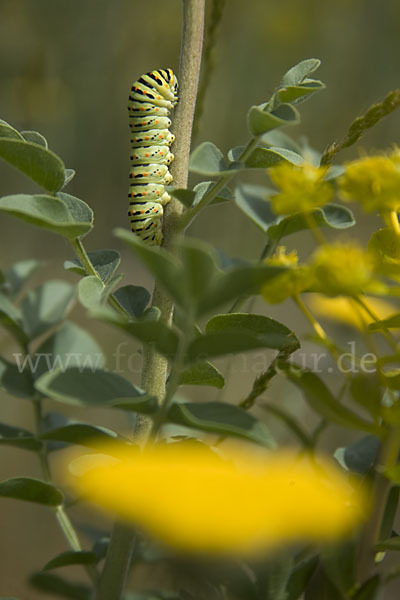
41, 165
46, 212
221, 418
260, 121
91, 387
31, 490
45, 306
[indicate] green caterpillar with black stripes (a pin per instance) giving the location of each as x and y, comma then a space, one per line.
152, 98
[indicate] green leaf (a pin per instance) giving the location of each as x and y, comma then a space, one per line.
104, 261
133, 298
322, 401
82, 434
35, 138
298, 93
148, 331
392, 322
49, 582
201, 189
11, 319
263, 158
69, 346
275, 576
296, 74
236, 281
92, 387
202, 373
69, 175
192, 197
110, 286
186, 197
80, 211
199, 271
221, 418
278, 138
7, 131
208, 160
19, 273
160, 263
70, 557
46, 212
31, 490
253, 201
330, 215
15, 379
259, 121
90, 291
45, 306
271, 333
321, 588
18, 437
300, 577
38, 163
360, 455
369, 590
339, 563
366, 391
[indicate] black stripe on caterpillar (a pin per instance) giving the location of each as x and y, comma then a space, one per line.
152, 98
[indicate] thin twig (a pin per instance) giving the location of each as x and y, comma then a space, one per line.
359, 126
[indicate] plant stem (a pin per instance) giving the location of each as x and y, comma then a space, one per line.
393, 221
221, 182
385, 332
90, 270
61, 516
311, 319
154, 373
387, 458
155, 366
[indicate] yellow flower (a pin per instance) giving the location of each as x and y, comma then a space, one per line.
292, 282
192, 499
340, 309
303, 188
374, 182
343, 269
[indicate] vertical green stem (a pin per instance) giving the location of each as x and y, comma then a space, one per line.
155, 366
381, 486
61, 516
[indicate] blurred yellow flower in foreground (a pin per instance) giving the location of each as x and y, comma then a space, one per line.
194, 500
342, 310
302, 188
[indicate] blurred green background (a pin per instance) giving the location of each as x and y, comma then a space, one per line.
66, 67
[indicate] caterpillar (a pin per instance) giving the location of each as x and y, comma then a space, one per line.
152, 98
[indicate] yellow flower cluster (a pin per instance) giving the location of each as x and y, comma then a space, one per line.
292, 282
302, 188
343, 269
374, 182
193, 499
338, 269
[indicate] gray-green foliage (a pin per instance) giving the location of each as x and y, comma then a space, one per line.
67, 365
